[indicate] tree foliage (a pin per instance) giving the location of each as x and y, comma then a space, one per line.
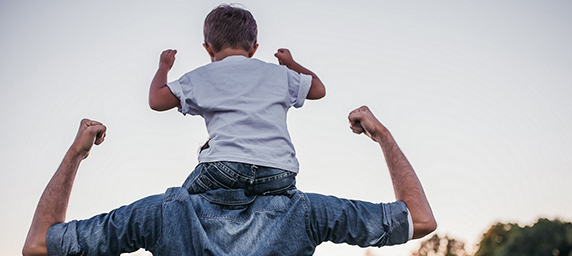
545, 237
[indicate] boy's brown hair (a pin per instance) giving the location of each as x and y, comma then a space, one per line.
230, 26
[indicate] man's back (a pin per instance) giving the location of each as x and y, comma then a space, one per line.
241, 225
179, 223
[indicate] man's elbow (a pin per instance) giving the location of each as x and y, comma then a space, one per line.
424, 228
28, 251
34, 250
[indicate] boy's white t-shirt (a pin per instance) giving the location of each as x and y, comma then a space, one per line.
244, 102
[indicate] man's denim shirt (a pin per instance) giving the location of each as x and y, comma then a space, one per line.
178, 223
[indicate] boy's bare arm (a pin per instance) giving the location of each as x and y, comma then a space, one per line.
53, 203
317, 89
406, 185
160, 96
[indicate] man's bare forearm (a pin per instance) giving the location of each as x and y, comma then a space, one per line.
406, 185
54, 201
53, 205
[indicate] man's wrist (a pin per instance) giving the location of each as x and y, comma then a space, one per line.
164, 68
76, 153
381, 133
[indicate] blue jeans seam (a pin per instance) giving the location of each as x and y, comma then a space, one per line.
230, 173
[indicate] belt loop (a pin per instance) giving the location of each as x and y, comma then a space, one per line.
253, 169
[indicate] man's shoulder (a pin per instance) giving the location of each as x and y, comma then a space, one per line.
176, 193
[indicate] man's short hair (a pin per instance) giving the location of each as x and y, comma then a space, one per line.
229, 26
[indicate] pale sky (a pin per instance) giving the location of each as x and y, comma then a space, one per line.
476, 93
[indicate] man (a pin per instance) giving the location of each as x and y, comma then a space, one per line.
179, 223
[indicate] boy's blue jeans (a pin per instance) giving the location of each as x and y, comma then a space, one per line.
255, 180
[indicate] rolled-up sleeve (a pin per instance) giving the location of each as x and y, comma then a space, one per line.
298, 87
183, 89
125, 229
62, 239
357, 222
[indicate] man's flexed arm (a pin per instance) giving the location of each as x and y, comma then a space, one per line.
53, 204
406, 185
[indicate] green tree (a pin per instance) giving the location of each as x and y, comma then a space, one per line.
545, 237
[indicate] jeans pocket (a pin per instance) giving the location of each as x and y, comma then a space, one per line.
211, 178
276, 182
277, 188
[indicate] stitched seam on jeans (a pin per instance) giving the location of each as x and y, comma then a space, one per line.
229, 172
274, 177
307, 221
212, 179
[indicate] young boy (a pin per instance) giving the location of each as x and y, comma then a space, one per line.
244, 102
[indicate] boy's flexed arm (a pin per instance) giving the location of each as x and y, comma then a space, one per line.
160, 96
317, 90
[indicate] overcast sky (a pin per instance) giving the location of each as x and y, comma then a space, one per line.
477, 94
